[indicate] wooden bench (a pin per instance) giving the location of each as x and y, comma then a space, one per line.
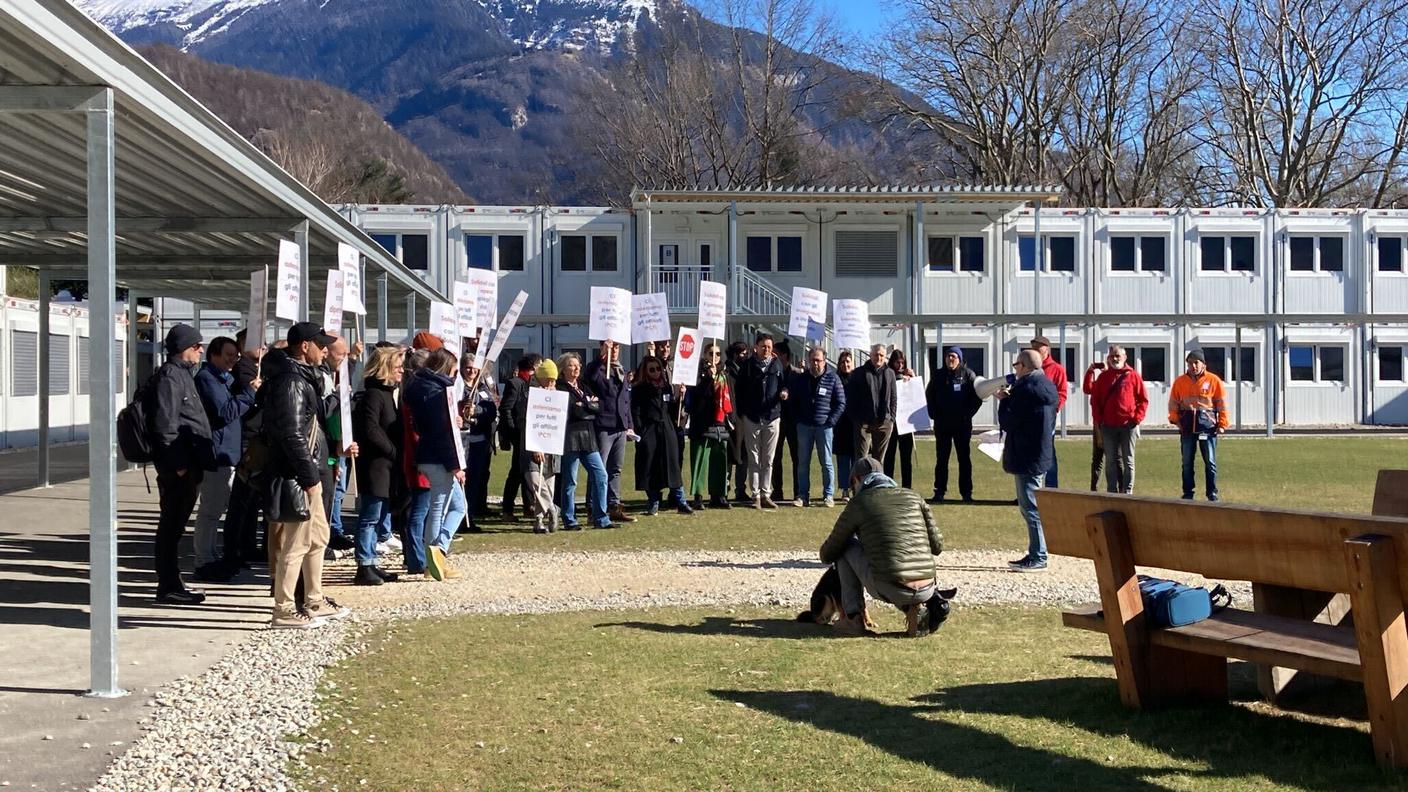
1365, 557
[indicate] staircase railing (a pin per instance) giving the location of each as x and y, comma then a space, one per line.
760, 297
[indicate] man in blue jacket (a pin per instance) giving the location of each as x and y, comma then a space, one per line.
1027, 414
224, 409
818, 400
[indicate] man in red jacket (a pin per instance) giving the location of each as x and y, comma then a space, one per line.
1055, 372
1118, 402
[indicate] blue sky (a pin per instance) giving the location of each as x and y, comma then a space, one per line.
861, 16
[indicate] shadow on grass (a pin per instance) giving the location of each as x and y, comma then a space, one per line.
1220, 743
727, 625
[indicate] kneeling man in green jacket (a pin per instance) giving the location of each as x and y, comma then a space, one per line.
884, 543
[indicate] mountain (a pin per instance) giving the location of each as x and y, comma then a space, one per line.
337, 144
498, 92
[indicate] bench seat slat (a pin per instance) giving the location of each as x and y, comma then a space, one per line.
1253, 637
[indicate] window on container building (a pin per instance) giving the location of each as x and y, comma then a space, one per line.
1313, 363
1243, 369
974, 357
1390, 253
764, 251
388, 243
789, 254
956, 254
1390, 363
479, 251
1150, 361
415, 251
1317, 254
511, 252
1070, 359
588, 252
1060, 253
1137, 253
1227, 253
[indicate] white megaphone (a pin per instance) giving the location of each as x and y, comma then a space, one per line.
986, 388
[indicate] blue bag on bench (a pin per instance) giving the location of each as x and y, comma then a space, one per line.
1168, 603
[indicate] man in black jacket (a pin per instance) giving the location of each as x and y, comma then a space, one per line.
182, 453
242, 515
515, 394
760, 391
952, 404
787, 430
607, 381
871, 400
298, 450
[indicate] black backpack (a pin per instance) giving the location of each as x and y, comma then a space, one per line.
134, 428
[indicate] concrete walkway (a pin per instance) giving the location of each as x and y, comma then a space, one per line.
44, 619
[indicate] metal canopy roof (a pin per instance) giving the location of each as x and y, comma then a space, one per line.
967, 196
198, 207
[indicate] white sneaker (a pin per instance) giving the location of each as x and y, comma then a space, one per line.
383, 548
394, 543
829, 503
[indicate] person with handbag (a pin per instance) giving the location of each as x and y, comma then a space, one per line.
437, 455
1197, 405
655, 410
292, 426
376, 424
710, 407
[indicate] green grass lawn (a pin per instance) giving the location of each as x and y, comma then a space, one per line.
1321, 473
1001, 698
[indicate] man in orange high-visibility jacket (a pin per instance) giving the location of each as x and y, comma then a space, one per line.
1197, 405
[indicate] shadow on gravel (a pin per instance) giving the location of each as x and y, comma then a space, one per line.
798, 563
727, 625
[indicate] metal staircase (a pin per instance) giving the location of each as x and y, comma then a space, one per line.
757, 296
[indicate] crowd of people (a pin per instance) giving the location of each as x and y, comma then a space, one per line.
255, 438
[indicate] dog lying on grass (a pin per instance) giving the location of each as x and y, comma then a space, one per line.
825, 607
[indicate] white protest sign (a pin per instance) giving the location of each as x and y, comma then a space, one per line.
911, 409
688, 348
445, 324
808, 318
713, 309
505, 327
486, 296
349, 263
546, 430
990, 444
452, 404
852, 321
611, 315
332, 304
344, 403
289, 286
650, 318
466, 309
258, 308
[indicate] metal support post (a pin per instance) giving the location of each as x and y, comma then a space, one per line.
1039, 254
1273, 366
651, 273
300, 238
733, 279
45, 359
383, 309
916, 269
1236, 370
196, 319
1062, 361
102, 449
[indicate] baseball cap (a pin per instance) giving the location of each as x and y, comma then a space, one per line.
180, 338
1041, 341
309, 331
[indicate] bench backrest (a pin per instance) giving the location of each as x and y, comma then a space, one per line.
1284, 548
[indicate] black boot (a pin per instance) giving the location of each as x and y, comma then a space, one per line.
367, 576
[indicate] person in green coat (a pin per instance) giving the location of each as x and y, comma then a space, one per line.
884, 542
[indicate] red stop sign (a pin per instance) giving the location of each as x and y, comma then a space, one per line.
686, 346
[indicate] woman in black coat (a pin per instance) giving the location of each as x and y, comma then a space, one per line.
655, 411
376, 424
844, 437
901, 445
580, 447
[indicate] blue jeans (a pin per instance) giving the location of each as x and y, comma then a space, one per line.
442, 488
369, 520
843, 469
1053, 474
596, 487
413, 543
339, 492
1208, 448
1026, 504
455, 511
820, 436
383, 528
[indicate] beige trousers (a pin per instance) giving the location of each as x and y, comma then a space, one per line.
296, 547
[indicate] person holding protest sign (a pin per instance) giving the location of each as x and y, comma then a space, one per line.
900, 445
843, 436
436, 455
710, 406
478, 412
581, 448
539, 469
655, 410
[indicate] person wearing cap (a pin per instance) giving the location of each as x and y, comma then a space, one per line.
182, 452
1056, 373
539, 469
1118, 401
292, 427
1026, 413
1197, 405
953, 401
884, 543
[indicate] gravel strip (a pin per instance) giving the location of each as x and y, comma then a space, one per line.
233, 727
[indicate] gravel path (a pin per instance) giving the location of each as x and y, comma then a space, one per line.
233, 727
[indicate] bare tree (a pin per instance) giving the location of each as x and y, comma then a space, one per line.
1304, 100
